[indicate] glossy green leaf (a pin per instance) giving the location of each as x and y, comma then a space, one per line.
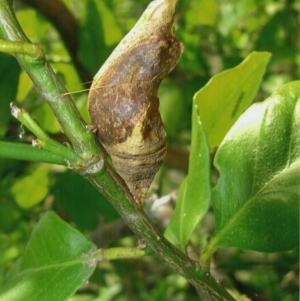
228, 94
256, 201
194, 193
53, 266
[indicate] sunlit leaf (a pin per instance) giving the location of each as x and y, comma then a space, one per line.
32, 23
46, 119
31, 189
256, 201
228, 94
53, 265
25, 85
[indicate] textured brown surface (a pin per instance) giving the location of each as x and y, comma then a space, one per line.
123, 101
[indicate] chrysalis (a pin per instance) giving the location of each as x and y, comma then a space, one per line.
123, 103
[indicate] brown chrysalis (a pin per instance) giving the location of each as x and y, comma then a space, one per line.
123, 103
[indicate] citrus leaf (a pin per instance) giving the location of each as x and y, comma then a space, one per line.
53, 266
228, 94
256, 201
194, 192
31, 189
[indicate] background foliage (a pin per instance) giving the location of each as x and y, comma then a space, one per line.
217, 35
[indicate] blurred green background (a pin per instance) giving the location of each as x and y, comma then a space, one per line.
77, 38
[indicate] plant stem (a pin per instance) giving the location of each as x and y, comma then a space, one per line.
59, 149
140, 224
21, 151
23, 116
44, 140
33, 50
206, 255
118, 253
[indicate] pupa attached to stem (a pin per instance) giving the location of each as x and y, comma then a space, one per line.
123, 102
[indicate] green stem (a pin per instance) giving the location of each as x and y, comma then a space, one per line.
44, 140
23, 116
119, 253
206, 255
63, 151
47, 83
21, 151
140, 224
33, 50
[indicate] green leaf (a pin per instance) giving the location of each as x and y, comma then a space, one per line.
71, 79
228, 94
194, 193
53, 265
111, 30
46, 119
256, 201
33, 24
24, 87
31, 189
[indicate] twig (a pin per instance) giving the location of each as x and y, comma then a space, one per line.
22, 151
44, 141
